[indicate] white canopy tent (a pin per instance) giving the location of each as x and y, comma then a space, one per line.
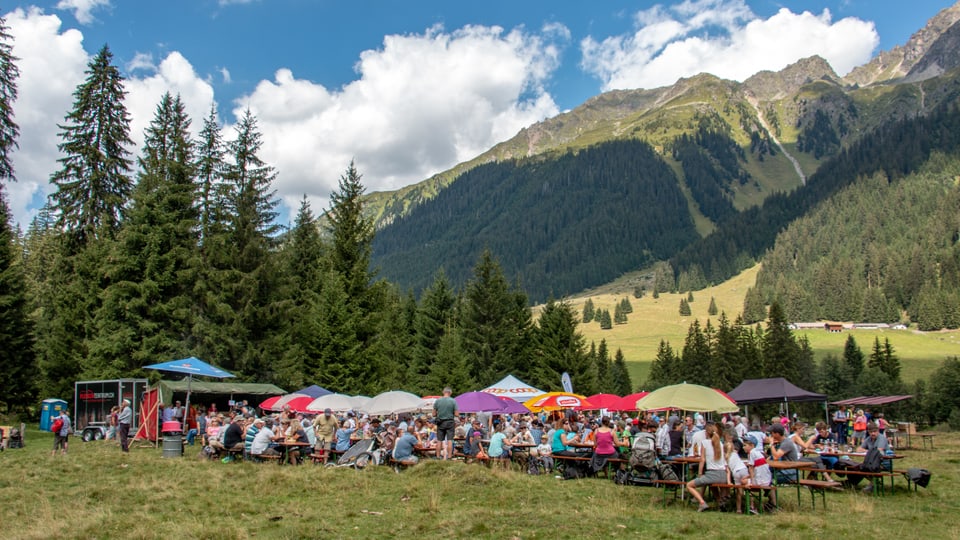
514, 389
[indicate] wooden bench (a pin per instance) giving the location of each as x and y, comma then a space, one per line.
821, 487
877, 479
264, 458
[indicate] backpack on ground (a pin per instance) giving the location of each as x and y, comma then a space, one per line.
666, 472
643, 455
918, 476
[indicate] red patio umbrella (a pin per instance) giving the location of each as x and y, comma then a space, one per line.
268, 403
628, 403
299, 403
602, 401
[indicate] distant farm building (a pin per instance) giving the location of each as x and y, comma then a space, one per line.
833, 327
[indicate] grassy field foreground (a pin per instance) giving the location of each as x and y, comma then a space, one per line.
96, 492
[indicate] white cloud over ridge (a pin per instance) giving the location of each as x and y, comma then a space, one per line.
420, 104
724, 38
82, 9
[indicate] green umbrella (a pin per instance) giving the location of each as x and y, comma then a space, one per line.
688, 397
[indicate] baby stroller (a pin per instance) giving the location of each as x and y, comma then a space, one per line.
357, 456
16, 439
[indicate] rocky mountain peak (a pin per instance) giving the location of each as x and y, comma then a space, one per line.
769, 85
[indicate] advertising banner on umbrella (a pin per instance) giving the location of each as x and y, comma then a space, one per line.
555, 401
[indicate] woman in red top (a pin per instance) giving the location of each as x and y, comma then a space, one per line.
606, 443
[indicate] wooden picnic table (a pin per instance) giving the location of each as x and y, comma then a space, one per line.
790, 466
286, 446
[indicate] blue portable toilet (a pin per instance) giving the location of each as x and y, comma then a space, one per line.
50, 409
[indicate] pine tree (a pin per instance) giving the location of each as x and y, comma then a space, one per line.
588, 311
496, 325
712, 310
891, 363
754, 309
450, 368
621, 377
876, 356
601, 358
559, 347
9, 131
684, 308
665, 368
434, 317
656, 294
93, 184
725, 371
626, 306
780, 349
639, 291
606, 323
695, 359
18, 366
352, 233
619, 317
690, 297
210, 166
146, 307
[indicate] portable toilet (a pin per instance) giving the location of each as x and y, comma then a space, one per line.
49, 409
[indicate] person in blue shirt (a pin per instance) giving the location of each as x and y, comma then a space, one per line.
343, 437
403, 448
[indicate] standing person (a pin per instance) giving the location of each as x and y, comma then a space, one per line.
124, 419
112, 423
61, 435
859, 427
177, 412
445, 410
840, 417
325, 427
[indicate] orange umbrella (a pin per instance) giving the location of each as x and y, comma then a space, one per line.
555, 401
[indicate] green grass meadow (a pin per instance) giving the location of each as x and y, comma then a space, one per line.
654, 319
97, 492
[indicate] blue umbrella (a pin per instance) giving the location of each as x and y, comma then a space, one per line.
191, 366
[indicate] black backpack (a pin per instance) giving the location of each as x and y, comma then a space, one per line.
918, 476
873, 461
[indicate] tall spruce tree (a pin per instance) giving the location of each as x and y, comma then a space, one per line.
9, 130
665, 369
93, 183
780, 350
496, 324
852, 357
725, 369
621, 377
18, 367
210, 167
695, 359
560, 347
601, 359
247, 272
434, 317
146, 308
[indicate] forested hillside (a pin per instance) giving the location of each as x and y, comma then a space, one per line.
901, 253
895, 149
555, 224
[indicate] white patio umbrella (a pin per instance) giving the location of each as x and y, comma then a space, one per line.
334, 402
359, 402
392, 402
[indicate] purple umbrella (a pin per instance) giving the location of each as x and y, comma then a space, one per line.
511, 406
480, 402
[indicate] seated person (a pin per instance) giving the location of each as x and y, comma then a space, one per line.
712, 466
562, 437
824, 440
874, 439
343, 437
403, 449
233, 436
545, 453
607, 442
783, 449
294, 433
760, 473
806, 445
472, 443
498, 448
523, 436
251, 434
263, 442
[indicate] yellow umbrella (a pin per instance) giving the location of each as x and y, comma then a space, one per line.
555, 401
688, 397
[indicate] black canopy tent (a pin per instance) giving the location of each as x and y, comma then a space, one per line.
773, 390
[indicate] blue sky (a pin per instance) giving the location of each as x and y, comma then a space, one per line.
407, 89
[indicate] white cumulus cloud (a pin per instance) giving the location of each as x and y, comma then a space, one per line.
420, 104
724, 38
82, 9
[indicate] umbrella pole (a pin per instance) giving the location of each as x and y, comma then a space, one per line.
186, 411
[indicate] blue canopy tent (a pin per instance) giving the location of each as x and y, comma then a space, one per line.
313, 391
191, 366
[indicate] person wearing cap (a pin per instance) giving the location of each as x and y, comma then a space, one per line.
474, 435
325, 427
177, 411
760, 473
545, 453
124, 419
263, 441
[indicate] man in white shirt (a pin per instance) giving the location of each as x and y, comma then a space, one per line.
261, 442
